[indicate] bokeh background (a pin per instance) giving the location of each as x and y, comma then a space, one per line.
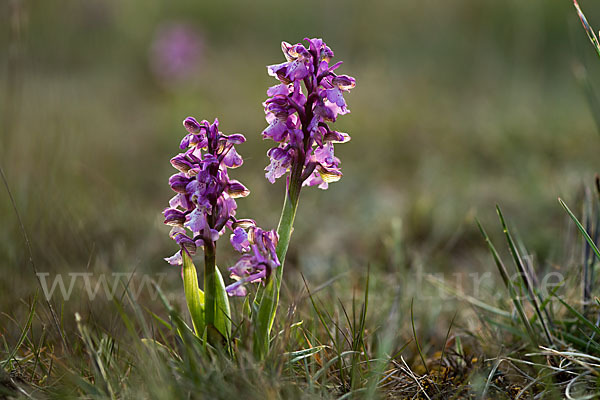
459, 106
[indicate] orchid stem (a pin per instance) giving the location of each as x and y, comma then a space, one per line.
286, 224
270, 296
209, 283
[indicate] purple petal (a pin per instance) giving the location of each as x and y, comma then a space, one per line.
336, 96
174, 217
344, 82
327, 113
281, 89
236, 189
297, 70
277, 70
181, 163
313, 180
324, 155
236, 289
191, 125
175, 259
185, 242
336, 137
232, 159
178, 182
276, 130
196, 221
239, 240
280, 162
235, 138
244, 223
181, 200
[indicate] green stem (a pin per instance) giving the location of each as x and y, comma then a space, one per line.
270, 296
210, 267
286, 223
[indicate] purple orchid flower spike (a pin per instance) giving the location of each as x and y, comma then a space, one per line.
205, 201
299, 110
258, 259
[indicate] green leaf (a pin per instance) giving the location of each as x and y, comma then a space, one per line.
223, 311
264, 318
246, 310
269, 298
194, 297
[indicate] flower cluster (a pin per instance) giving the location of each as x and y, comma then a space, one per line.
258, 258
204, 204
298, 111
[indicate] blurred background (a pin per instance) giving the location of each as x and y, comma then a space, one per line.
459, 106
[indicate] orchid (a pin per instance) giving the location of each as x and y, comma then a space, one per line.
202, 209
205, 201
299, 111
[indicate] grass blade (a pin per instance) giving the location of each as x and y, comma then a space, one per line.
524, 274
23, 332
588, 29
581, 228
580, 317
412, 321
510, 286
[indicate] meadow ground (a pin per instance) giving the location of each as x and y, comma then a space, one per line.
459, 106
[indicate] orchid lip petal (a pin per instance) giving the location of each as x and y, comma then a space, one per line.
175, 259
329, 175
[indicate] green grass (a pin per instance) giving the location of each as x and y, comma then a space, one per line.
330, 342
